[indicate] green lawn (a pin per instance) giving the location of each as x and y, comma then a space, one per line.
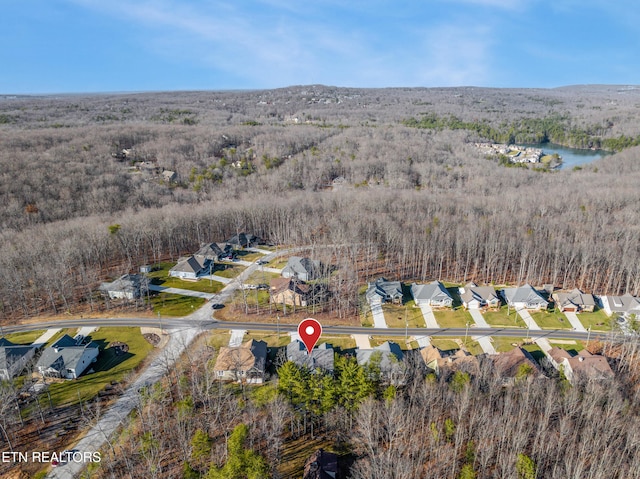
394, 316
168, 304
504, 344
498, 318
444, 344
261, 277
278, 263
457, 318
26, 337
248, 255
551, 320
339, 342
400, 340
568, 345
218, 339
160, 276
228, 270
597, 321
535, 351
271, 339
108, 367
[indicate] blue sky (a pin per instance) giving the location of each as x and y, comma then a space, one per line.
59, 46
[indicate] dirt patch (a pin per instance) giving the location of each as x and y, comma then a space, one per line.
155, 336
152, 338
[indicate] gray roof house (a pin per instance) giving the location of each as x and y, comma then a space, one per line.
215, 251
66, 358
476, 297
13, 358
127, 286
388, 357
624, 305
303, 268
191, 267
524, 297
384, 290
321, 357
574, 301
432, 294
244, 240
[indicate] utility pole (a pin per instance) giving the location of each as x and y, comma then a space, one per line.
466, 333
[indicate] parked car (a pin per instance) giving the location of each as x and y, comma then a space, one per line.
262, 261
262, 286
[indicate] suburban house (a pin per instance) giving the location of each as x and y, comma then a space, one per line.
290, 291
574, 301
244, 240
476, 297
215, 251
625, 305
13, 358
583, 366
321, 465
515, 364
387, 358
127, 286
524, 297
191, 267
437, 360
432, 294
67, 358
244, 363
302, 268
321, 357
383, 290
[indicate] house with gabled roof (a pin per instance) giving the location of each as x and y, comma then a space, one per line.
290, 291
437, 360
516, 363
432, 294
574, 301
321, 357
127, 286
321, 465
582, 367
67, 358
244, 240
191, 267
524, 297
244, 363
302, 268
476, 297
13, 358
382, 290
625, 305
215, 251
387, 359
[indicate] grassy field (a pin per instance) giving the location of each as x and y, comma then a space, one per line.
498, 318
109, 367
261, 277
26, 337
568, 345
168, 304
444, 344
597, 321
394, 315
339, 342
218, 339
551, 320
503, 344
400, 340
228, 270
248, 255
160, 276
457, 318
271, 339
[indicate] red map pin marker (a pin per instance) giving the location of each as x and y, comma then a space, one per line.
309, 331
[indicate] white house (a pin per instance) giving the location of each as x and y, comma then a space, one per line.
191, 267
432, 294
524, 297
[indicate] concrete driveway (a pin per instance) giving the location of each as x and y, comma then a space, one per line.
378, 314
575, 322
429, 317
484, 341
543, 343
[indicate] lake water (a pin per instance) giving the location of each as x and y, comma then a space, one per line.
570, 156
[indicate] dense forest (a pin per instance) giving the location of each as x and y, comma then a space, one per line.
382, 181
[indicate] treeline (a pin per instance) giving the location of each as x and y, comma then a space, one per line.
557, 129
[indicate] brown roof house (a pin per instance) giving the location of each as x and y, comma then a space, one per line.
437, 360
244, 363
574, 301
476, 297
289, 291
515, 364
321, 465
583, 366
